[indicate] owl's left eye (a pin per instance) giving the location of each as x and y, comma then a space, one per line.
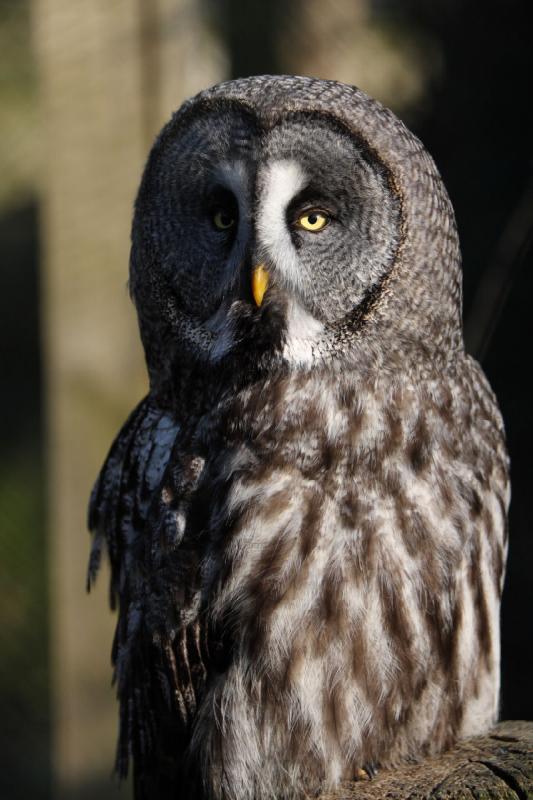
223, 220
313, 221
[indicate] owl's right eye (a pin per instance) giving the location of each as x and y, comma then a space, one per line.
223, 220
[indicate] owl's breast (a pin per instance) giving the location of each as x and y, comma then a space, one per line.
355, 553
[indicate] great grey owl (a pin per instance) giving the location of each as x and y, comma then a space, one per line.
306, 516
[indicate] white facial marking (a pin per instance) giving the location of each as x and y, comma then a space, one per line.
233, 175
279, 185
281, 182
221, 324
303, 333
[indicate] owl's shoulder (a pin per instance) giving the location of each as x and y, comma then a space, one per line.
125, 488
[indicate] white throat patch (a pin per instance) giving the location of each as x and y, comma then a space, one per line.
303, 334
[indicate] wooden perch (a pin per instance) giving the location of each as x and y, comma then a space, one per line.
497, 766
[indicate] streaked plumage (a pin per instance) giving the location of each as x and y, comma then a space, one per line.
306, 517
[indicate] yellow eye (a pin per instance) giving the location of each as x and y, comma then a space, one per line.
313, 221
223, 220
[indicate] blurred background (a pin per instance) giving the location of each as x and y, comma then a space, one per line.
84, 87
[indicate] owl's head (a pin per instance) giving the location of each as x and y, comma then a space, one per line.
296, 222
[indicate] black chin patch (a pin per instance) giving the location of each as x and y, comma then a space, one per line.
259, 335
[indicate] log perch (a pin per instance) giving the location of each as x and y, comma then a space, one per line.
497, 766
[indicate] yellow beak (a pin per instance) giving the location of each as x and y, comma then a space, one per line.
259, 283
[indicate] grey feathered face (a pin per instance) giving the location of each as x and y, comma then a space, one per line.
225, 192
311, 169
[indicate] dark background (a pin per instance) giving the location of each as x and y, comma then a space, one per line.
475, 118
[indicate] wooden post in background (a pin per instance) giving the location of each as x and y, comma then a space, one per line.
110, 74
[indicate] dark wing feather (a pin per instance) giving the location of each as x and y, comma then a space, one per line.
123, 492
127, 514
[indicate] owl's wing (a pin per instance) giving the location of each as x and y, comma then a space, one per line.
121, 505
121, 497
